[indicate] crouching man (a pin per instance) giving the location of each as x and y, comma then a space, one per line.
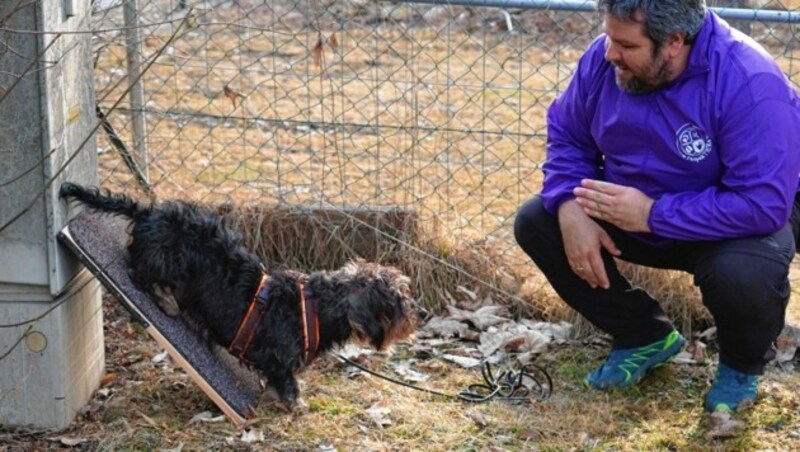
676, 145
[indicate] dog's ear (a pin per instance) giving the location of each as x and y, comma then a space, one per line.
370, 314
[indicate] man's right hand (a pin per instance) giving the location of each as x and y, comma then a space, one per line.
583, 242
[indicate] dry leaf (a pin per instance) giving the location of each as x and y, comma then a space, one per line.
478, 418
177, 448
471, 336
378, 415
148, 419
160, 357
515, 344
409, 374
205, 416
70, 441
722, 426
316, 53
483, 318
684, 357
472, 295
231, 94
462, 361
252, 436
334, 43
445, 327
787, 344
433, 366
107, 378
698, 351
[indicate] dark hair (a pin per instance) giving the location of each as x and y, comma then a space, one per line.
663, 18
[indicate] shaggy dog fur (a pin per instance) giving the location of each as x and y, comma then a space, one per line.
182, 254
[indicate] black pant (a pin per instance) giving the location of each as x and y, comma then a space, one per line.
744, 284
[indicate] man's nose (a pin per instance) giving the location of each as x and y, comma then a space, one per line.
612, 54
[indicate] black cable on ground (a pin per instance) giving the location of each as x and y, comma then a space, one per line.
508, 386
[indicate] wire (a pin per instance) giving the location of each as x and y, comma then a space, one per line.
58, 301
509, 386
19, 340
29, 170
401, 383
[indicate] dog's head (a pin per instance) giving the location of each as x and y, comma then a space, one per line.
381, 309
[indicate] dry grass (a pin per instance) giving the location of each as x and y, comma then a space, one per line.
149, 406
310, 239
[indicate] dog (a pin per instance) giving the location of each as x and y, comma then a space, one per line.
192, 264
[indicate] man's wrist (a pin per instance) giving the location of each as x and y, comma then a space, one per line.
567, 206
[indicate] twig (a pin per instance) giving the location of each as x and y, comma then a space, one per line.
124, 153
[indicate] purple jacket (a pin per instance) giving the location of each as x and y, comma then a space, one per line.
718, 148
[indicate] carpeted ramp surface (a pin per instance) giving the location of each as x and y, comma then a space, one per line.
99, 241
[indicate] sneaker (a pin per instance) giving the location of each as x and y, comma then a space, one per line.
731, 390
626, 366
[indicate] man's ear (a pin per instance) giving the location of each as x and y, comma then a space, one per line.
674, 44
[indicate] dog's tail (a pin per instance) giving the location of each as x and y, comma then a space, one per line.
92, 197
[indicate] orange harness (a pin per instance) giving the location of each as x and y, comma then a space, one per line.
257, 309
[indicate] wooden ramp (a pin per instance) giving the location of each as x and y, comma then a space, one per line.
99, 241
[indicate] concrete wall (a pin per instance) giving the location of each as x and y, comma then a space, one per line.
49, 374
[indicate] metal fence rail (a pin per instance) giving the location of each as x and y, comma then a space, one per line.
435, 106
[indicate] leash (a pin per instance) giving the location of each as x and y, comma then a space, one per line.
508, 386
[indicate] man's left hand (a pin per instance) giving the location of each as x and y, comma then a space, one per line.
625, 207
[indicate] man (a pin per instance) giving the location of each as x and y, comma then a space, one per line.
676, 145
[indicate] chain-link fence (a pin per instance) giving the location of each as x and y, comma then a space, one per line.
431, 106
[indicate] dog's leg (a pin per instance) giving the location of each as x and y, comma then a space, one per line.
166, 300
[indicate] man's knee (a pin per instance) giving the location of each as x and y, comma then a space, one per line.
528, 220
741, 280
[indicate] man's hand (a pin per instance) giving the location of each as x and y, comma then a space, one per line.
625, 207
583, 241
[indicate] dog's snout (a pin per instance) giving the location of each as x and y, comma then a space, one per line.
423, 314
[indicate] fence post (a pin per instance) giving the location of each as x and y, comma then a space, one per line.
134, 58
51, 323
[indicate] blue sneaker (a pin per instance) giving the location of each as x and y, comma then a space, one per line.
731, 389
626, 366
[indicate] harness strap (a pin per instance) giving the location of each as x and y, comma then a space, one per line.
257, 309
251, 319
310, 326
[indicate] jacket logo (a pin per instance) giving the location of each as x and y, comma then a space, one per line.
693, 144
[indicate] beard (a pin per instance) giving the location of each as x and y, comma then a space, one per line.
654, 75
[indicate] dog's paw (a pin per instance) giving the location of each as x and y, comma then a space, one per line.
285, 406
295, 408
166, 300
300, 407
270, 392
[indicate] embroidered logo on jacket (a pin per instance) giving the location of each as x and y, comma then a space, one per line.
693, 144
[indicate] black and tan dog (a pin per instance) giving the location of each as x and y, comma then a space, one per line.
183, 254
